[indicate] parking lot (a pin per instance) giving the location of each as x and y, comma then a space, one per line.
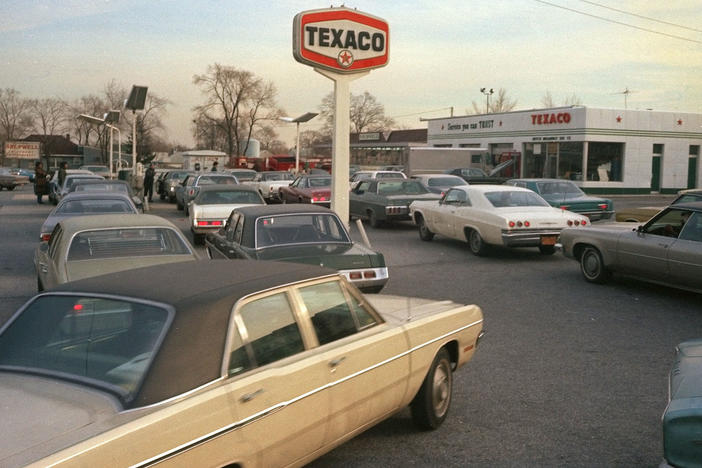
570, 373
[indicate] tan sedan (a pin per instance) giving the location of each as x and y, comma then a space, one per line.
85, 246
242, 363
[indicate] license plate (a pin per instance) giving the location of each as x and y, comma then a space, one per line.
549, 240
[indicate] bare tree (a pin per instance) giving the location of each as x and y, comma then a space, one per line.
501, 102
572, 100
268, 138
86, 133
236, 103
149, 124
50, 118
15, 117
366, 114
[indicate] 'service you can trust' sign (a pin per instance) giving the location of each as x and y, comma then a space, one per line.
340, 40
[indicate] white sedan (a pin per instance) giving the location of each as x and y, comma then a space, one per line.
213, 204
484, 215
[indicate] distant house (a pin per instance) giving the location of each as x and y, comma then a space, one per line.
58, 148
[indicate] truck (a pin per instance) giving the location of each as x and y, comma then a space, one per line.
475, 165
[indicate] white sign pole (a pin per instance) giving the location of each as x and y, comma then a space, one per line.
341, 141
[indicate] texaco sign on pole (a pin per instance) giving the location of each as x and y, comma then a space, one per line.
343, 45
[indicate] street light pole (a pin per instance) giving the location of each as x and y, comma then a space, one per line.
298, 120
487, 94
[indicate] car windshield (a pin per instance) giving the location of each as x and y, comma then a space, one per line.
401, 187
228, 197
94, 206
119, 188
688, 197
299, 229
562, 188
515, 198
319, 181
446, 182
178, 175
126, 242
106, 342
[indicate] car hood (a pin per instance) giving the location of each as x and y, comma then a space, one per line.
336, 256
398, 309
42, 415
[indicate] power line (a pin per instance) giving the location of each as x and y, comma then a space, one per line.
642, 16
619, 22
419, 113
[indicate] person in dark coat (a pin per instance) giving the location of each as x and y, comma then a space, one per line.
149, 182
214, 166
62, 173
41, 185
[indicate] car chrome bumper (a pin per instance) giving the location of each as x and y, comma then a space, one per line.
371, 279
531, 238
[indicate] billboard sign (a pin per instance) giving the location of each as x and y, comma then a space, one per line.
22, 149
340, 40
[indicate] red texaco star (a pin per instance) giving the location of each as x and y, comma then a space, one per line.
345, 58
679, 121
619, 119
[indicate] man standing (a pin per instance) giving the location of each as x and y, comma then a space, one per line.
40, 183
214, 166
149, 182
62, 173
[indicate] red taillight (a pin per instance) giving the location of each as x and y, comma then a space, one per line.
77, 307
527, 223
355, 275
216, 223
202, 223
45, 237
603, 206
512, 224
369, 274
209, 223
583, 222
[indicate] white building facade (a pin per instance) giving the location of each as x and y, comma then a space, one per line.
602, 150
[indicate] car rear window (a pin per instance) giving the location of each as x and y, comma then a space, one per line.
514, 198
446, 182
319, 181
211, 180
126, 242
118, 188
400, 187
94, 206
299, 229
228, 198
108, 342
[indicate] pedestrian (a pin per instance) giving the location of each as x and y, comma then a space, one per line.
214, 166
149, 182
62, 173
41, 186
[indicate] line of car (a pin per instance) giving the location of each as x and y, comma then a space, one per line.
481, 215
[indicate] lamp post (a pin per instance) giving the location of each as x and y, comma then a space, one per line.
110, 118
99, 121
136, 101
298, 120
487, 94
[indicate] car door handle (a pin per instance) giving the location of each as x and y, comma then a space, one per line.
335, 362
250, 396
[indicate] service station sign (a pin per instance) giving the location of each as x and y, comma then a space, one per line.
340, 40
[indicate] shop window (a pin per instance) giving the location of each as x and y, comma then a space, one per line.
570, 161
605, 161
694, 150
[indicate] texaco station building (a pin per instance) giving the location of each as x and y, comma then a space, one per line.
602, 150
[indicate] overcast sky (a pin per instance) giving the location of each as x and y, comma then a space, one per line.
441, 52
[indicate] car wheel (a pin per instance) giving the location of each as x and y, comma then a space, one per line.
592, 266
373, 219
476, 243
547, 249
424, 233
431, 404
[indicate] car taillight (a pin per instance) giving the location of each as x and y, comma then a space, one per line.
202, 223
369, 274
570, 222
512, 224
210, 223
45, 237
564, 207
602, 206
191, 191
527, 224
355, 275
583, 222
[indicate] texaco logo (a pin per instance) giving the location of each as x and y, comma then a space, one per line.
345, 58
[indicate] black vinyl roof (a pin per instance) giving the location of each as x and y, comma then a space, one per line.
203, 294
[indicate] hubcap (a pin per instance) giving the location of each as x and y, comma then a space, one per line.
591, 265
441, 389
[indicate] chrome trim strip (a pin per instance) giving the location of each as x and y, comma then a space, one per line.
235, 425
